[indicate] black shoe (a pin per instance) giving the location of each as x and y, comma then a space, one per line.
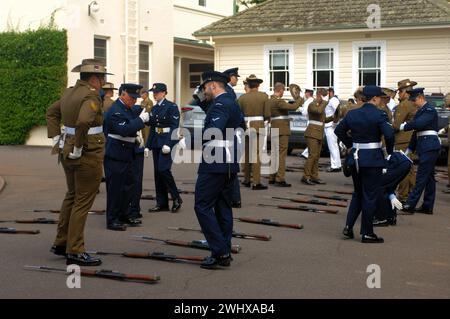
307, 181
138, 216
318, 181
117, 226
422, 210
380, 223
282, 184
176, 204
246, 184
158, 209
407, 210
372, 239
334, 170
103, 180
271, 182
348, 232
58, 250
392, 221
258, 187
131, 222
214, 263
236, 204
82, 259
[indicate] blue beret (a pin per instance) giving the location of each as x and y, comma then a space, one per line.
214, 76
158, 87
414, 93
231, 72
370, 91
132, 89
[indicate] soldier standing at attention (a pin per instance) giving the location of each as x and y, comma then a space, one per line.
426, 142
280, 121
256, 110
335, 155
217, 171
121, 126
108, 93
314, 137
164, 120
366, 125
81, 151
147, 105
404, 112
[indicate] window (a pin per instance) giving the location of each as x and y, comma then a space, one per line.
144, 65
323, 65
202, 3
195, 73
278, 66
100, 49
369, 63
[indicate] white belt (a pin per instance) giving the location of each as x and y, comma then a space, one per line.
222, 143
281, 117
253, 118
121, 138
424, 133
160, 130
91, 131
315, 122
364, 146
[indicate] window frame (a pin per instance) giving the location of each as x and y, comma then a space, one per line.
106, 39
290, 70
309, 63
149, 63
356, 45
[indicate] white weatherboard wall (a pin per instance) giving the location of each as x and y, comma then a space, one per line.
421, 55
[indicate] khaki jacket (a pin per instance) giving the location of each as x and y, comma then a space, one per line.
279, 107
255, 104
107, 102
316, 112
404, 112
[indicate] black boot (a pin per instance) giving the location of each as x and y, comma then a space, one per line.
348, 232
58, 250
82, 259
176, 204
372, 239
158, 208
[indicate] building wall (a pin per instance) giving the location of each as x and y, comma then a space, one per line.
421, 55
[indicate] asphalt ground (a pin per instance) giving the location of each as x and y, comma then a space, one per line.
314, 262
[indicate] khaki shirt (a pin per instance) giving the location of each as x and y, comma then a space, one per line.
404, 112
147, 105
279, 107
107, 103
79, 108
255, 103
316, 112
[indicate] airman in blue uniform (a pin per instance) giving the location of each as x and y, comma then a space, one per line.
426, 143
217, 170
164, 122
121, 126
367, 125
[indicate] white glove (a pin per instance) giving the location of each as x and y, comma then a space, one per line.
395, 203
199, 93
76, 153
55, 140
146, 152
139, 139
407, 151
165, 149
384, 171
388, 157
402, 126
441, 131
182, 143
145, 117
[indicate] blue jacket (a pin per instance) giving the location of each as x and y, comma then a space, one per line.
122, 121
230, 91
426, 119
366, 125
164, 115
137, 109
224, 113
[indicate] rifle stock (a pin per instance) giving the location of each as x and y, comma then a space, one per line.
6, 230
312, 201
268, 222
234, 234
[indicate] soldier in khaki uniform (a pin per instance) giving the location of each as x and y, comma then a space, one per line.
81, 151
359, 101
256, 110
385, 101
280, 121
404, 112
146, 104
314, 136
108, 90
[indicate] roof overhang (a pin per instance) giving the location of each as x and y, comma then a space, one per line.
195, 44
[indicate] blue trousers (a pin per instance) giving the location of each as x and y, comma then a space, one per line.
213, 194
119, 185
236, 195
138, 173
164, 181
366, 183
425, 181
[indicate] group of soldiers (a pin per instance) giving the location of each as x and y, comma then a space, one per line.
92, 133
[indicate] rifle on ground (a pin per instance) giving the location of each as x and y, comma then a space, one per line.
180, 191
31, 221
334, 197
312, 201
303, 208
108, 274
197, 244
57, 211
337, 192
6, 230
152, 255
234, 234
267, 222
148, 197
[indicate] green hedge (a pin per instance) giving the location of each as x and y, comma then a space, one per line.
33, 74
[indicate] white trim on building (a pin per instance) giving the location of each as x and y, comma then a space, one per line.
266, 77
309, 63
355, 60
